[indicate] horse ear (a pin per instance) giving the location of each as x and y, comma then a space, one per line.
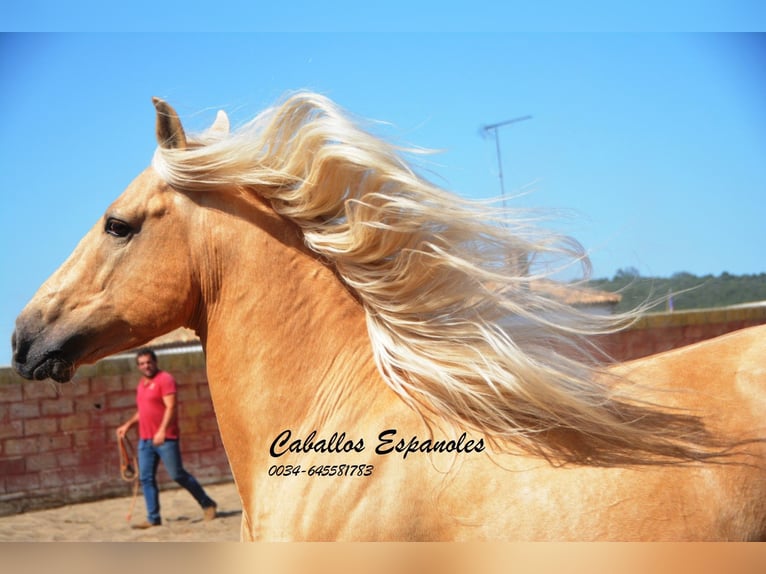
221, 124
170, 132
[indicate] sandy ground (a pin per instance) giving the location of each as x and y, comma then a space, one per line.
105, 521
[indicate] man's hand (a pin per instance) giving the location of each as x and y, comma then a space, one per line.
124, 428
158, 438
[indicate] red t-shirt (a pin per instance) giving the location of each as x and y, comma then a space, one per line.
151, 407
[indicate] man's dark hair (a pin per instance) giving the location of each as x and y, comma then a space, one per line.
146, 351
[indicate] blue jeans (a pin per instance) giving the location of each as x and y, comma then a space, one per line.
149, 457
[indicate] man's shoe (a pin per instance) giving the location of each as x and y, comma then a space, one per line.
144, 525
210, 512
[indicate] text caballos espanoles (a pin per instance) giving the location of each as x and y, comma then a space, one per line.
339, 443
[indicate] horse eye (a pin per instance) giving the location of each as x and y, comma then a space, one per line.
117, 228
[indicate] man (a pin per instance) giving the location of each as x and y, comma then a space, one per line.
158, 433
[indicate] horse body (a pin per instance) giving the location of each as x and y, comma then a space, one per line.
298, 389
468, 496
309, 367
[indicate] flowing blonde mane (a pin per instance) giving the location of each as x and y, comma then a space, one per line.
457, 327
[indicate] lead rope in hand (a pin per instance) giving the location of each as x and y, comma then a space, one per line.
128, 469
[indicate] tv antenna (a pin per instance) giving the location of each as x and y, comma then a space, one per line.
494, 128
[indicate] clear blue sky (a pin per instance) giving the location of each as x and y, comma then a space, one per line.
656, 141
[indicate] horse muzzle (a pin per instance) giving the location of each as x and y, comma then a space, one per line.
36, 358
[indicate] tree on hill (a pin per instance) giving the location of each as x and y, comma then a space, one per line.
685, 290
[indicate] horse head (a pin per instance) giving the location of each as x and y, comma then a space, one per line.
129, 279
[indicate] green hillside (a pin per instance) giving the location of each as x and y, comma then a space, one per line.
686, 291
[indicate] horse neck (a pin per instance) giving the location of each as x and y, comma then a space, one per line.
286, 343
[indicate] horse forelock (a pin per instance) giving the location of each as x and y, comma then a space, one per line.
456, 325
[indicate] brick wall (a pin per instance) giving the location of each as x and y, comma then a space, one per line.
57, 443
657, 332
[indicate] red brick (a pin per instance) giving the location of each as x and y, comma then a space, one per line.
43, 461
110, 438
90, 403
91, 439
10, 393
12, 429
121, 400
107, 384
67, 459
61, 406
55, 478
55, 442
81, 474
113, 419
191, 460
18, 446
77, 388
189, 426
694, 333
212, 458
196, 443
85, 473
22, 482
208, 424
24, 411
195, 409
205, 405
717, 330
77, 421
34, 427
34, 390
12, 466
112, 463
187, 393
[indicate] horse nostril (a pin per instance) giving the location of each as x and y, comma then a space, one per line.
19, 350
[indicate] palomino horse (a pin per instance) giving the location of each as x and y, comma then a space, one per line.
382, 361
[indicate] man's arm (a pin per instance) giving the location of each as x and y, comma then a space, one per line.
170, 411
123, 428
